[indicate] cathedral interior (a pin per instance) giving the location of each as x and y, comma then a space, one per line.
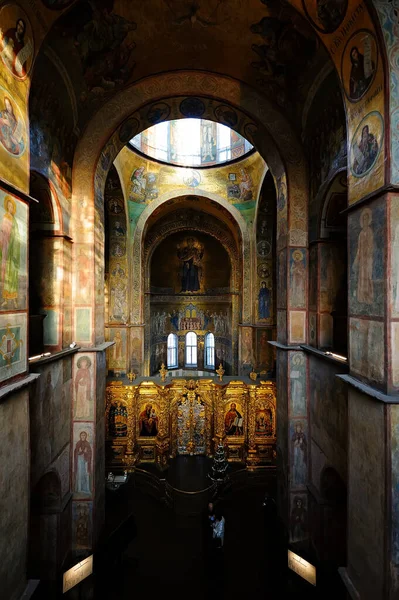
199, 298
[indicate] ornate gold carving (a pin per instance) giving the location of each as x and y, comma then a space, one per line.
252, 439
131, 376
163, 371
220, 372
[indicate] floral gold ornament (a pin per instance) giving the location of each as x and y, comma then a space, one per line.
220, 372
163, 372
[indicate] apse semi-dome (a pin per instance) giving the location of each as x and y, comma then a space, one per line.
191, 143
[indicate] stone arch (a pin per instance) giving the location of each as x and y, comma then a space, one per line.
98, 147
210, 225
138, 266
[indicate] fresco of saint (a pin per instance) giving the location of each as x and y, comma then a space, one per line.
264, 301
363, 262
10, 130
10, 253
16, 49
82, 463
191, 253
365, 152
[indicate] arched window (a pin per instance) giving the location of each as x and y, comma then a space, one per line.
191, 349
172, 351
210, 351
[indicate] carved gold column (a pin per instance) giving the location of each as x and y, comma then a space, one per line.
162, 442
252, 453
131, 393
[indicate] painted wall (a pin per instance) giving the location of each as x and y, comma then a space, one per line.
366, 498
329, 420
14, 501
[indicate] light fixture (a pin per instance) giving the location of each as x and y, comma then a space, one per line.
338, 356
73, 345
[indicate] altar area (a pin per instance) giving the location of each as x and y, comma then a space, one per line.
150, 421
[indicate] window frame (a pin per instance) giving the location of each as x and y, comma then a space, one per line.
191, 346
174, 349
207, 347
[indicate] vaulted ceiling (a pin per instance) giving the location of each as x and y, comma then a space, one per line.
103, 45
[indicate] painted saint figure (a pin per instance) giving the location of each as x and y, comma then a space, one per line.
191, 253
365, 152
82, 464
117, 419
15, 49
363, 262
233, 421
264, 301
10, 253
300, 452
361, 74
83, 395
245, 185
11, 130
298, 277
264, 422
148, 422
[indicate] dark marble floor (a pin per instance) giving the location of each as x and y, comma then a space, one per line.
169, 558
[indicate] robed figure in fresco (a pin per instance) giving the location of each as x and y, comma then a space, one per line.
190, 253
264, 301
82, 463
10, 253
361, 74
11, 130
83, 388
363, 262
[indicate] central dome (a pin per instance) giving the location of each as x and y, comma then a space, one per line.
191, 143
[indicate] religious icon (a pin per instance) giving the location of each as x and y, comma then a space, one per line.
11, 129
83, 275
83, 391
264, 271
363, 263
326, 15
10, 253
298, 278
192, 178
359, 64
299, 444
365, 147
83, 464
118, 347
298, 518
208, 142
264, 422
158, 112
245, 185
264, 301
148, 422
16, 45
138, 182
264, 248
118, 229
191, 252
233, 421
117, 419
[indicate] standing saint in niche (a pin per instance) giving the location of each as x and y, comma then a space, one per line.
83, 397
363, 263
190, 253
10, 253
264, 301
82, 463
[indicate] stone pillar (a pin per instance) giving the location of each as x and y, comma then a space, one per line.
292, 398
373, 469
88, 446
